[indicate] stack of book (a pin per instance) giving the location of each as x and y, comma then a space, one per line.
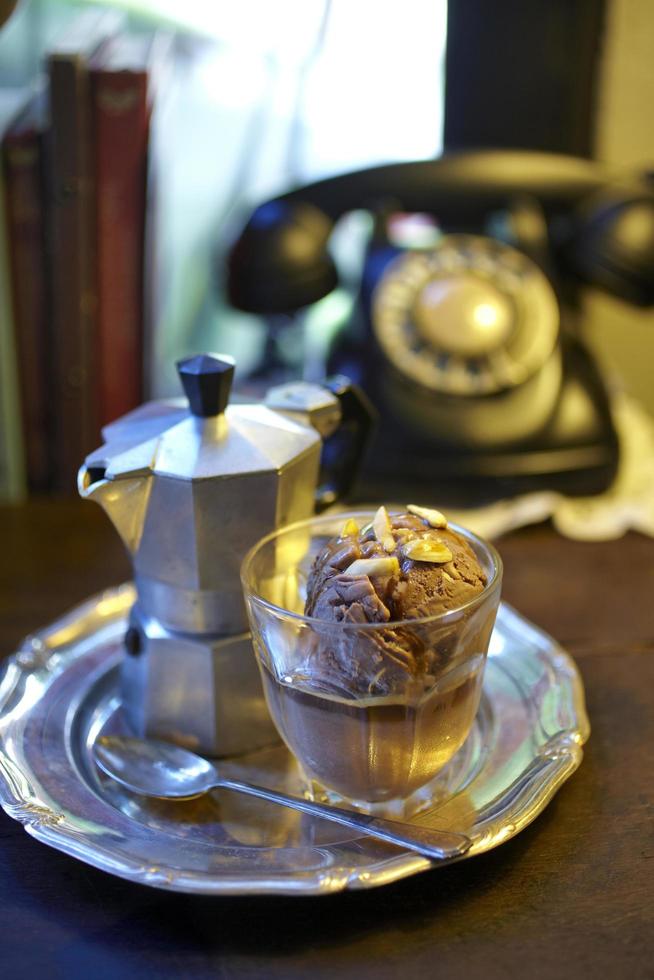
72, 249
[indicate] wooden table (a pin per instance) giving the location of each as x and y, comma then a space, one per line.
571, 896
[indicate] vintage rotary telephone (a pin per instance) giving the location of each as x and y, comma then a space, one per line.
468, 349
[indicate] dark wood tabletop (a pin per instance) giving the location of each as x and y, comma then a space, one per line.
571, 896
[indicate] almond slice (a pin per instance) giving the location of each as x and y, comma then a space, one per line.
350, 528
427, 549
381, 525
373, 566
433, 517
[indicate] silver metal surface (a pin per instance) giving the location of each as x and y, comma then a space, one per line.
60, 692
191, 500
165, 771
311, 404
198, 689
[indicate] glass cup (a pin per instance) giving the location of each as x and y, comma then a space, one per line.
380, 754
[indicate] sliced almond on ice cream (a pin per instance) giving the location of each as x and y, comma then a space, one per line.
373, 566
350, 528
433, 517
381, 525
427, 549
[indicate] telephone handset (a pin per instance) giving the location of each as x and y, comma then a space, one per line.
468, 349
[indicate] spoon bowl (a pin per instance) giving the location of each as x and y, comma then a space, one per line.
153, 768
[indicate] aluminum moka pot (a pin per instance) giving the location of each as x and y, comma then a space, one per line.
190, 485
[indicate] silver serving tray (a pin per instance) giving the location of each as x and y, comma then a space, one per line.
60, 691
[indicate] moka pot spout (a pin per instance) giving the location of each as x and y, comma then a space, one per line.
124, 500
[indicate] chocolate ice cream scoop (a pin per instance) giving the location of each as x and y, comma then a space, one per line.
406, 568
401, 567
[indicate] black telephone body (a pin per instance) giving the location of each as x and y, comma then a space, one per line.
470, 349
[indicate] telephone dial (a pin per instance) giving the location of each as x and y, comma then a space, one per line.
469, 349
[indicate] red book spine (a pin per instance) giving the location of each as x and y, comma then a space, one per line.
26, 220
120, 126
74, 295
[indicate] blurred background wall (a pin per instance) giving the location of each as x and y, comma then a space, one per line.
263, 97
294, 94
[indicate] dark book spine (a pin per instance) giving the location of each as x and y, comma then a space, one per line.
76, 400
120, 128
23, 158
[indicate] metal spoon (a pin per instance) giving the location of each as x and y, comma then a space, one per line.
153, 768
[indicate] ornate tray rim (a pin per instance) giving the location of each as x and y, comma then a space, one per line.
26, 675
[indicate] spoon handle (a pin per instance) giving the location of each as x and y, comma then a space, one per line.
434, 844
